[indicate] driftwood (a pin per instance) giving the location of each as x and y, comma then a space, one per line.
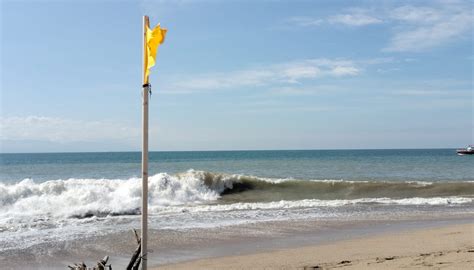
136, 259
134, 263
101, 265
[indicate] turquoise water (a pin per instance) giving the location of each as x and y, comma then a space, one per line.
60, 197
383, 165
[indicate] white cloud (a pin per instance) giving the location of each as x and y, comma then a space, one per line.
355, 19
427, 28
415, 14
305, 21
421, 92
414, 28
387, 70
379, 60
60, 130
344, 71
297, 90
294, 73
285, 73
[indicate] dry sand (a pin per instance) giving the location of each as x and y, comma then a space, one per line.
450, 247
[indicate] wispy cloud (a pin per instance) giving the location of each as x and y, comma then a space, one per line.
285, 73
415, 14
414, 28
426, 89
304, 21
428, 27
61, 130
306, 90
351, 17
355, 19
463, 94
290, 109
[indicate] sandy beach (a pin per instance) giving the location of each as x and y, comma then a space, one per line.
448, 247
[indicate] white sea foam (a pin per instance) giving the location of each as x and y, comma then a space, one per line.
283, 180
76, 197
189, 191
313, 203
34, 210
81, 197
420, 183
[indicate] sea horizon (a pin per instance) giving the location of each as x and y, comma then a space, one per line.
238, 150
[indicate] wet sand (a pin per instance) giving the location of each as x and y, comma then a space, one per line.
271, 245
447, 247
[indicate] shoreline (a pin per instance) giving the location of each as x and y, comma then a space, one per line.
448, 246
170, 248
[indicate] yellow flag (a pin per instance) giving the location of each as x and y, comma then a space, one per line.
154, 38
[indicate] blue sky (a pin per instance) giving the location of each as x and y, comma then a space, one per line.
237, 75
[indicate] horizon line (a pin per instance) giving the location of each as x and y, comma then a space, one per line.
233, 150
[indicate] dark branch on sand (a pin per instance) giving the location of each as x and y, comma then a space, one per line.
101, 265
136, 259
134, 263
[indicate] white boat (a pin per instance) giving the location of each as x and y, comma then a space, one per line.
465, 151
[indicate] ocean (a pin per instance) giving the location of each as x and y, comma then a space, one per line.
61, 197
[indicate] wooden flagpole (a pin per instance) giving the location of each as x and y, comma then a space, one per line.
146, 90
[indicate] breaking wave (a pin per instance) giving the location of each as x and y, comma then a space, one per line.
205, 191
